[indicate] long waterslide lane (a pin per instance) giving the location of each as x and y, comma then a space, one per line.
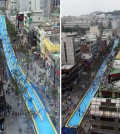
78, 114
41, 110
9, 58
42, 122
36, 116
47, 127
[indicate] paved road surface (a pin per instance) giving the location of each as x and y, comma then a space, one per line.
13, 123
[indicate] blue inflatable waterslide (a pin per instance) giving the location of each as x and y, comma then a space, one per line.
41, 120
77, 116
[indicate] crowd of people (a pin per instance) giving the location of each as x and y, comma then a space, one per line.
39, 77
10, 93
71, 99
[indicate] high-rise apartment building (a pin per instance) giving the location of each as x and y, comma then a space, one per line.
24, 5
71, 57
115, 24
70, 50
106, 23
95, 30
56, 3
35, 5
21, 5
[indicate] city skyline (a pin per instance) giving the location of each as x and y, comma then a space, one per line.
77, 8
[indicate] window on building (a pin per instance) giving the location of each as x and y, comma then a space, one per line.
94, 126
93, 117
103, 108
113, 109
65, 51
108, 100
106, 127
78, 51
106, 119
117, 95
106, 95
38, 40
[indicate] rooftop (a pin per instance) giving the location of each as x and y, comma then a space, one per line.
115, 71
56, 54
55, 14
50, 28
118, 56
72, 34
109, 87
67, 66
117, 61
117, 85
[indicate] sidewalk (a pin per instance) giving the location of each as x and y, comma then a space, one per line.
16, 119
34, 76
49, 102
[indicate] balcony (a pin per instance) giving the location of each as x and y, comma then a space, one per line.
114, 124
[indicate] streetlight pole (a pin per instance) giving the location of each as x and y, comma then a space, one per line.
54, 71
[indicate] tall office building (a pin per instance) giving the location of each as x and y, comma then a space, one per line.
70, 50
46, 6
23, 5
35, 5
115, 24
56, 3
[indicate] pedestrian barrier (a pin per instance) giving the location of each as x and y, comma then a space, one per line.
42, 124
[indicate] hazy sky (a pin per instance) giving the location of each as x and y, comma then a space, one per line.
82, 7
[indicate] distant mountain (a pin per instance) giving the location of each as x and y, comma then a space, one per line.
116, 12
96, 12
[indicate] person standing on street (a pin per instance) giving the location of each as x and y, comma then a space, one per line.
78, 111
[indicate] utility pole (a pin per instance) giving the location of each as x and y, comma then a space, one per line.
54, 71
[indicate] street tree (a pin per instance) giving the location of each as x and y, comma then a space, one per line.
15, 84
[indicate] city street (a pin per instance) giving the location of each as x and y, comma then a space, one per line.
43, 91
70, 103
39, 76
17, 118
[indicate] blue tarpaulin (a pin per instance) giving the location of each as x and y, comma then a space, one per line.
66, 130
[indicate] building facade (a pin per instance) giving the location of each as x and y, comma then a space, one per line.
94, 30
83, 24
70, 50
105, 116
89, 51
115, 24
70, 76
49, 52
